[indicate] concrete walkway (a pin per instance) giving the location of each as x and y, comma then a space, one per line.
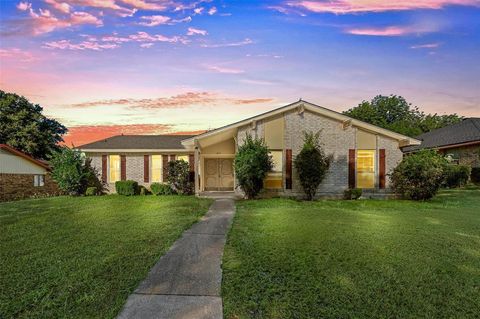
185, 282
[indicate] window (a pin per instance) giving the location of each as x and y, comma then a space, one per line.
274, 179
114, 168
38, 180
365, 168
156, 168
182, 157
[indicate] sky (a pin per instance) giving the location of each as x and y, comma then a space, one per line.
107, 67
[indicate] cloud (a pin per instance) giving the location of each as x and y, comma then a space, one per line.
384, 31
85, 45
212, 11
219, 69
143, 5
425, 46
360, 6
151, 21
60, 6
198, 10
258, 82
193, 31
183, 100
146, 45
24, 6
146, 37
17, 55
246, 41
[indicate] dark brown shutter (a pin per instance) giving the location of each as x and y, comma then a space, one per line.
123, 167
146, 168
191, 161
381, 169
351, 168
165, 167
104, 168
288, 169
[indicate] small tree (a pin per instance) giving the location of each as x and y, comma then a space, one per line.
179, 177
73, 172
311, 164
252, 163
419, 176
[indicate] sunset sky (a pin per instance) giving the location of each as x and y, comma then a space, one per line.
105, 67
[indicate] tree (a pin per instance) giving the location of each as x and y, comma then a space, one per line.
73, 172
179, 177
311, 164
252, 163
396, 114
24, 127
419, 176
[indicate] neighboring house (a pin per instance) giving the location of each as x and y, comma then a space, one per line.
22, 176
459, 142
362, 154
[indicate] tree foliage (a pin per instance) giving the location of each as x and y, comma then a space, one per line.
73, 172
419, 176
179, 177
252, 163
396, 114
24, 127
311, 164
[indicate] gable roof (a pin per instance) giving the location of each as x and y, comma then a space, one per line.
466, 131
134, 143
313, 108
27, 157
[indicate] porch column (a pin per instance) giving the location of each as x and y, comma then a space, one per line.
196, 169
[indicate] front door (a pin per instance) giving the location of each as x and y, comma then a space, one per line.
219, 174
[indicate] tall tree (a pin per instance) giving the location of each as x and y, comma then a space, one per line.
395, 113
24, 127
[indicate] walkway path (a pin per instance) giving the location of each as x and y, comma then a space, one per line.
185, 282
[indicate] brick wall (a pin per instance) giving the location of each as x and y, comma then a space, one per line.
467, 155
19, 186
393, 155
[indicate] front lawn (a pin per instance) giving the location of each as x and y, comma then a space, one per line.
354, 259
81, 257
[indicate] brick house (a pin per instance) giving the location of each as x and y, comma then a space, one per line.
22, 176
459, 142
362, 153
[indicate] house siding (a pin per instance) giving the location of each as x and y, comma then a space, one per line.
393, 155
20, 186
467, 155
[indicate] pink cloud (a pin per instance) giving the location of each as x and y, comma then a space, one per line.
193, 31
146, 37
246, 41
220, 69
85, 45
384, 32
143, 5
358, 6
151, 21
212, 11
146, 45
24, 6
425, 46
60, 6
17, 55
198, 10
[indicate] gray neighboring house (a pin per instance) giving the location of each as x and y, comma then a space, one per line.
362, 153
459, 142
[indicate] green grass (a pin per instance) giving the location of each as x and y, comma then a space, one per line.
354, 259
81, 257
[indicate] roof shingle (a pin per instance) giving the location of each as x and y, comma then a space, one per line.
160, 142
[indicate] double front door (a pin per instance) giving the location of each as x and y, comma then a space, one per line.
219, 174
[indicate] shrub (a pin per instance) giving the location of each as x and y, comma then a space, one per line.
475, 176
252, 163
179, 177
127, 188
311, 164
161, 189
352, 193
143, 190
419, 176
456, 175
73, 172
91, 191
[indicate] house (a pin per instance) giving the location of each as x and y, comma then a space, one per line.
22, 176
459, 142
362, 153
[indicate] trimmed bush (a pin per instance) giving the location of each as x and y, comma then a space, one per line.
179, 177
161, 189
128, 188
419, 176
252, 163
352, 193
456, 175
143, 190
91, 191
311, 164
475, 175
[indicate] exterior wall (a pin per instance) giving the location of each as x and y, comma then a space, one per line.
14, 164
134, 166
19, 186
467, 155
393, 155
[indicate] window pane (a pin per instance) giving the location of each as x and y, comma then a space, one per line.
365, 168
156, 168
182, 157
114, 168
277, 158
274, 179
41, 180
